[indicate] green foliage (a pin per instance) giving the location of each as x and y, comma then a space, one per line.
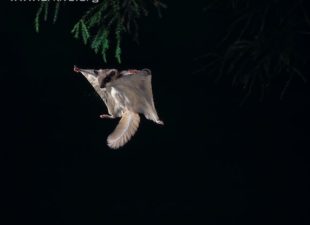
44, 6
105, 23
84, 31
260, 43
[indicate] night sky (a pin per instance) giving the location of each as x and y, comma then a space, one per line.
214, 162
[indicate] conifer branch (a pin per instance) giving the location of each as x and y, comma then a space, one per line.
105, 22
259, 46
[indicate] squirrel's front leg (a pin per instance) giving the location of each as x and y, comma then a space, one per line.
106, 116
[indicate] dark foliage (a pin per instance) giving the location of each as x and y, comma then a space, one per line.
261, 44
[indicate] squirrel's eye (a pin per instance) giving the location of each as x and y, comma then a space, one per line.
96, 72
107, 79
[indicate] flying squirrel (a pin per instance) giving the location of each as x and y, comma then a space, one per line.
126, 94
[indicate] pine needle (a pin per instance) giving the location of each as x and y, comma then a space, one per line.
84, 31
45, 10
36, 20
56, 11
76, 30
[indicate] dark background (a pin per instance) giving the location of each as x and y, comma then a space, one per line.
214, 161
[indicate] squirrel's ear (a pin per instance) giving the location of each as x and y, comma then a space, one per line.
147, 71
113, 73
